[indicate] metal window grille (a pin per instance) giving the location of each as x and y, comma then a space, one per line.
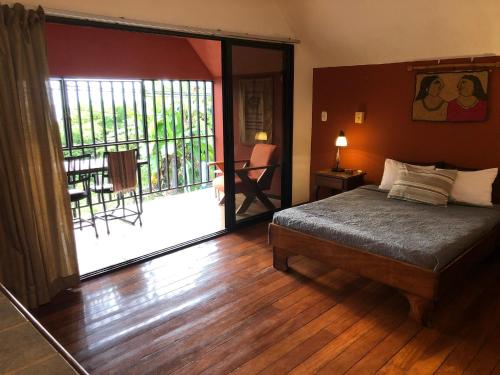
170, 122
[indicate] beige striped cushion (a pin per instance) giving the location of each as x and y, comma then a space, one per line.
424, 186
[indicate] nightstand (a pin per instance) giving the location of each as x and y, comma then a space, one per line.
339, 181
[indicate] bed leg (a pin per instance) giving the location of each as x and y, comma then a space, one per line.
420, 308
280, 259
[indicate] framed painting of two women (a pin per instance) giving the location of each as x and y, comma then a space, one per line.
451, 97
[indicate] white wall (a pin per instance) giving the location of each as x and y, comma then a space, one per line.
356, 32
261, 17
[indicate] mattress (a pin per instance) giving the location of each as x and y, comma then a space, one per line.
426, 236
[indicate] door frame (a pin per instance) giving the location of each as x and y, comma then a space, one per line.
228, 130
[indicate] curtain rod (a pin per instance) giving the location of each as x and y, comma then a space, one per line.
167, 27
461, 65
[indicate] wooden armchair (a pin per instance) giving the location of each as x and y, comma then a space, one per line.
252, 178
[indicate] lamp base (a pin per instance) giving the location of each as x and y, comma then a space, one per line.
336, 169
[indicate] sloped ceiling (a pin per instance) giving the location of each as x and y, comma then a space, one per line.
209, 51
354, 32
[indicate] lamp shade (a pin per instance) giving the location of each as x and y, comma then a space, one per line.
261, 136
341, 140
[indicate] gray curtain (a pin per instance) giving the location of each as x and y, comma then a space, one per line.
37, 245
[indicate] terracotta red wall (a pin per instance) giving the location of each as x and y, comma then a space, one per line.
386, 93
210, 53
78, 51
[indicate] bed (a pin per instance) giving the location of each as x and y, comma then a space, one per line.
419, 249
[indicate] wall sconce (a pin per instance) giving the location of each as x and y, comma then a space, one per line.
359, 117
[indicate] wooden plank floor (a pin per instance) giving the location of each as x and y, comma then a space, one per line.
221, 308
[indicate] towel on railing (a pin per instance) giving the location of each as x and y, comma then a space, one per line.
122, 167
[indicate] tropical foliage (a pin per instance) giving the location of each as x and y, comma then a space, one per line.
170, 122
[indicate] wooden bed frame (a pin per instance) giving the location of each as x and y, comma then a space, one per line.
422, 287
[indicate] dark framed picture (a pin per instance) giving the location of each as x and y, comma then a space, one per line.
451, 96
256, 109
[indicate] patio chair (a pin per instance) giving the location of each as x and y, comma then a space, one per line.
252, 179
79, 188
119, 176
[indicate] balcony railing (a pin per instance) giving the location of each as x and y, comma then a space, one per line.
170, 122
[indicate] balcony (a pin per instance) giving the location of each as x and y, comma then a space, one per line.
168, 220
171, 123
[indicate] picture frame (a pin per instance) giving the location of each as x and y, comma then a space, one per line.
457, 96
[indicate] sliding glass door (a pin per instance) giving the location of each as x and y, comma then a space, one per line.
258, 129
212, 126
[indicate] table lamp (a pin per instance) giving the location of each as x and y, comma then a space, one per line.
341, 141
261, 136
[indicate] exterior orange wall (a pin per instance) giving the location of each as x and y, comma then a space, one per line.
385, 92
78, 51
210, 53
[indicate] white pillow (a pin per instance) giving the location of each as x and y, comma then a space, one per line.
391, 170
474, 187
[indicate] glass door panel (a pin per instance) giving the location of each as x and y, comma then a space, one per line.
258, 129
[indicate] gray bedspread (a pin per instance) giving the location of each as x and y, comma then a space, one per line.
423, 235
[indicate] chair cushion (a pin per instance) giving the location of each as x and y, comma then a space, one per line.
262, 155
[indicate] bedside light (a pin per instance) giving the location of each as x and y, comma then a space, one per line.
341, 141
